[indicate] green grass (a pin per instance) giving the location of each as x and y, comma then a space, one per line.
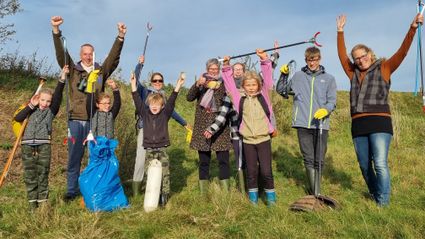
228, 215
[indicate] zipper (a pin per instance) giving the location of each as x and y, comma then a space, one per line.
311, 100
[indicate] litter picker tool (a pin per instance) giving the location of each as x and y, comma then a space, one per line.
312, 40
149, 29
19, 134
316, 202
69, 136
419, 59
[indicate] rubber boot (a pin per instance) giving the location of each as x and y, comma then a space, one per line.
224, 185
316, 183
164, 199
32, 206
270, 197
203, 186
136, 186
241, 178
253, 195
310, 177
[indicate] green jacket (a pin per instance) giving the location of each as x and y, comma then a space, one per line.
77, 99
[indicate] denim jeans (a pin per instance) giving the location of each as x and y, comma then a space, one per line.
79, 131
372, 154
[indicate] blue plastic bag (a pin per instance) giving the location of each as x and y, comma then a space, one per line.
99, 182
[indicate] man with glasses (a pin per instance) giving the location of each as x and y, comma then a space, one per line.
314, 100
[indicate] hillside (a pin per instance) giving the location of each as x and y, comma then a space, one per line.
221, 215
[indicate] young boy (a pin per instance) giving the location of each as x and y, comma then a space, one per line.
36, 148
155, 125
103, 115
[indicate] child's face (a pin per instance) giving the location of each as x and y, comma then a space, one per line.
251, 86
104, 105
45, 101
155, 108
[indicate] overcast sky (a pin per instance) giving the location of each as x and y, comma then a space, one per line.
187, 33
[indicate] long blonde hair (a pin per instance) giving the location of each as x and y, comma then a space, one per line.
249, 75
366, 49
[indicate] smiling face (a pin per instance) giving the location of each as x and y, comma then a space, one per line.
238, 70
44, 101
104, 103
312, 58
155, 102
251, 83
362, 59
213, 70
86, 54
157, 81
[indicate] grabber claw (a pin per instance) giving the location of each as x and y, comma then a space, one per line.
68, 137
314, 40
90, 137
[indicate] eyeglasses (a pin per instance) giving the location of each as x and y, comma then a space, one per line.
360, 58
312, 59
104, 103
157, 81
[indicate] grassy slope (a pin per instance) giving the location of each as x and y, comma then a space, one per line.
188, 215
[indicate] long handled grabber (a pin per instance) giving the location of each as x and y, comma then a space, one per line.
91, 89
69, 135
149, 29
18, 129
316, 202
419, 59
241, 176
312, 40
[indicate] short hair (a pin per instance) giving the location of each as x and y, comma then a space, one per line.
212, 61
312, 52
87, 44
156, 74
154, 98
47, 91
239, 63
249, 75
102, 96
366, 49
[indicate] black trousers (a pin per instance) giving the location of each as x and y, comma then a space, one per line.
223, 164
259, 156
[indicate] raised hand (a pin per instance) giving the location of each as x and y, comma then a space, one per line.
226, 60
340, 22
419, 19
56, 21
112, 84
142, 59
35, 99
64, 72
133, 82
122, 29
261, 53
180, 81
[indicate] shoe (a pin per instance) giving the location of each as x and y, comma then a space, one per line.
253, 195
69, 197
270, 197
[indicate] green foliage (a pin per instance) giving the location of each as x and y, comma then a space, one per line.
228, 215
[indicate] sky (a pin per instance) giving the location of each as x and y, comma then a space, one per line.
186, 33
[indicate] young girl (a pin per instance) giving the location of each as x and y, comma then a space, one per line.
255, 113
103, 115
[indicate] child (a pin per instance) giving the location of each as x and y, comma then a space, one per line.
255, 113
155, 117
103, 116
36, 149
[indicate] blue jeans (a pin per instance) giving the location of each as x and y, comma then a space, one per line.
372, 154
79, 130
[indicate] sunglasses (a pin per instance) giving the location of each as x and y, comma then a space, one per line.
157, 81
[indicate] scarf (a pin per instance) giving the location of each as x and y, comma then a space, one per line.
208, 101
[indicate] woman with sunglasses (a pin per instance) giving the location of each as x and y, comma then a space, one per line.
371, 126
156, 86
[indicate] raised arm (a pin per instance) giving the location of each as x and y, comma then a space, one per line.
136, 97
61, 57
171, 102
346, 64
229, 83
390, 65
57, 95
115, 109
112, 60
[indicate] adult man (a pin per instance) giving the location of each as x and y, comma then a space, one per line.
314, 100
78, 119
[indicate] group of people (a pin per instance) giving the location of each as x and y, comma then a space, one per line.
233, 110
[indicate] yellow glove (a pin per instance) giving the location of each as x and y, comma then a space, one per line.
284, 69
189, 135
91, 81
320, 113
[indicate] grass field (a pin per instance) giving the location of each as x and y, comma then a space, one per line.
221, 214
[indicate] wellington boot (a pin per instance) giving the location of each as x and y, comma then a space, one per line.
241, 179
317, 183
310, 178
203, 186
224, 185
136, 186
